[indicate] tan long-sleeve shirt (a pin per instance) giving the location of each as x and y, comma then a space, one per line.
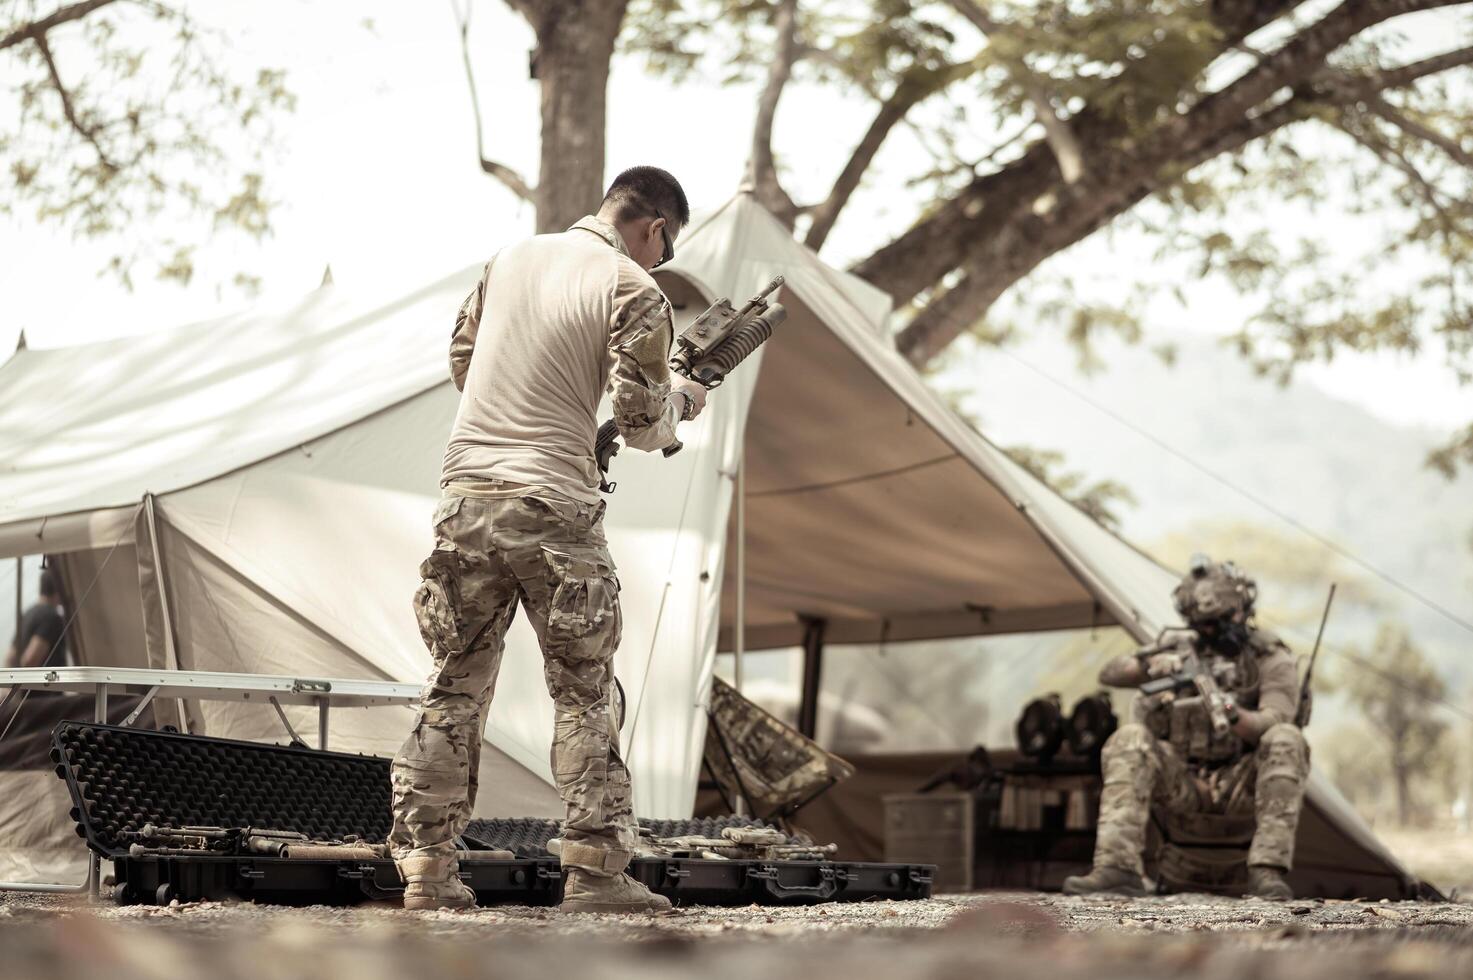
554, 321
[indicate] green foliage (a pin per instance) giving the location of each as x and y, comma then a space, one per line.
1394, 162
1409, 201
1100, 499
1457, 451
127, 121
868, 45
1399, 698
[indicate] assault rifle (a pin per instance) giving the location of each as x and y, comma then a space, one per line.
738, 844
245, 841
154, 841
1195, 674
706, 352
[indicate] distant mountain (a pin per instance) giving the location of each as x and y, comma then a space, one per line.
1329, 464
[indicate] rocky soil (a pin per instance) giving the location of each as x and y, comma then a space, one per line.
996, 934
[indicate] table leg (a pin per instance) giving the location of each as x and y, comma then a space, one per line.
322, 706
99, 713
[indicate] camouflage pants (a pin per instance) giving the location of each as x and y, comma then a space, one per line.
1140, 770
548, 553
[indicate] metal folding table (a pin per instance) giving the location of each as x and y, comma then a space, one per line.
200, 685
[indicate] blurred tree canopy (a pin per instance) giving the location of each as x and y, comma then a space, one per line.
1187, 120
122, 115
1100, 499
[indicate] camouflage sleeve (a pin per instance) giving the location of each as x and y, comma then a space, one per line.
1278, 693
639, 339
467, 324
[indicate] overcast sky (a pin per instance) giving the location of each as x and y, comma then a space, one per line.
376, 174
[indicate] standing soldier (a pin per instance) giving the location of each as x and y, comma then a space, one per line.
552, 322
1173, 757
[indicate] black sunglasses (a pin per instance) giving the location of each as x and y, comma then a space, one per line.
669, 245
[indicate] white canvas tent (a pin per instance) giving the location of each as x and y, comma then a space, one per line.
252, 494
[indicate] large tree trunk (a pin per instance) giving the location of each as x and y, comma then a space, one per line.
575, 41
1401, 775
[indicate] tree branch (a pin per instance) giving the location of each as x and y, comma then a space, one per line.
513, 180
1391, 155
1029, 240
1446, 223
88, 133
1296, 62
1056, 131
914, 86
1407, 74
1412, 128
37, 29
761, 167
939, 240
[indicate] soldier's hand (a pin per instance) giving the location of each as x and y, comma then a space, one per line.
1163, 664
694, 392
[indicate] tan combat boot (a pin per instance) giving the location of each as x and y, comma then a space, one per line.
1116, 881
584, 891
1268, 884
430, 883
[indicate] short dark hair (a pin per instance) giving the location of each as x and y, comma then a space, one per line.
641, 191
49, 585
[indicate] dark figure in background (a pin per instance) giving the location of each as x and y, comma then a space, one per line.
40, 635
1173, 758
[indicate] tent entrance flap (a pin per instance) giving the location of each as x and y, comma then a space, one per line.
860, 511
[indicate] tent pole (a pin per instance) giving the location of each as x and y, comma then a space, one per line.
813, 630
20, 599
171, 651
739, 644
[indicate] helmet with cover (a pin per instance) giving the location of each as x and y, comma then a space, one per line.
1214, 593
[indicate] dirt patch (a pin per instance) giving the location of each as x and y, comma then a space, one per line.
995, 934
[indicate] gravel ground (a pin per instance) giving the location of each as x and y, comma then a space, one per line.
994, 934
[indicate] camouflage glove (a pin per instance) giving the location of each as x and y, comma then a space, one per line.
1163, 664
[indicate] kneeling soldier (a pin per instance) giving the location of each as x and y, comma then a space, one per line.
1175, 759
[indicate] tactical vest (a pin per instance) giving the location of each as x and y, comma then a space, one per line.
1183, 721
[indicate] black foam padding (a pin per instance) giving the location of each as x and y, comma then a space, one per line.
527, 837
123, 778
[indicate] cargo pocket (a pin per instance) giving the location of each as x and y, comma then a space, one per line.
437, 603
585, 599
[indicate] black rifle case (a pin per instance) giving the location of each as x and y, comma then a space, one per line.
121, 779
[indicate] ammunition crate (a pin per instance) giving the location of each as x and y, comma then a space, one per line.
933, 828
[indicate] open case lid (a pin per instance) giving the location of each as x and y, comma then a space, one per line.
122, 778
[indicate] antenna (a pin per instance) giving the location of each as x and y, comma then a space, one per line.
1303, 714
